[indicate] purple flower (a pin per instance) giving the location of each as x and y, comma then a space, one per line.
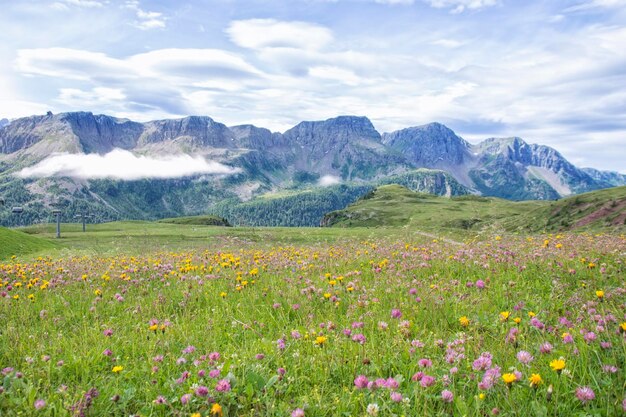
396, 313
427, 381
160, 400
108, 332
359, 338
189, 349
214, 356
259, 356
585, 394
298, 412
281, 371
483, 362
222, 386
590, 337
524, 357
425, 363
107, 352
361, 382
480, 284
396, 397
391, 383
447, 396
214, 373
185, 399
545, 348
202, 391
39, 404
158, 358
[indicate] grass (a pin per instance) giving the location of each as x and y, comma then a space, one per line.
14, 242
204, 220
396, 206
242, 322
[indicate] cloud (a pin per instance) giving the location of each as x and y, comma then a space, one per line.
328, 180
123, 165
459, 6
271, 33
145, 19
593, 4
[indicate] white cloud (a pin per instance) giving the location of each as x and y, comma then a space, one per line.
459, 6
145, 19
328, 180
123, 165
393, 2
271, 33
592, 4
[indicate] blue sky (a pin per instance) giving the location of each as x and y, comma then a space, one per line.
552, 72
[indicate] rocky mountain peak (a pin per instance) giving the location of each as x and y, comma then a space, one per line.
339, 129
431, 145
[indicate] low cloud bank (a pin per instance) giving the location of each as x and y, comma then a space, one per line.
328, 180
123, 165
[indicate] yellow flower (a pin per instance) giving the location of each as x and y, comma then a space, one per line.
557, 365
97, 292
320, 340
327, 295
504, 315
154, 327
531, 314
464, 321
216, 410
509, 378
535, 380
117, 369
223, 294
559, 245
600, 294
517, 320
623, 326
482, 395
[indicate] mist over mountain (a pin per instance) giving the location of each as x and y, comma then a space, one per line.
245, 162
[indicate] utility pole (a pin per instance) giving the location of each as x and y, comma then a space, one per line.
57, 213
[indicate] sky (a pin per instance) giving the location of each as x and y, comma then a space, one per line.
552, 72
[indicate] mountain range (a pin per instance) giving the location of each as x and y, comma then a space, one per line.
341, 155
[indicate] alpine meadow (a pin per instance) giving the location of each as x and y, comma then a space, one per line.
312, 208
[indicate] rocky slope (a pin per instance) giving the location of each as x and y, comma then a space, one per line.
344, 149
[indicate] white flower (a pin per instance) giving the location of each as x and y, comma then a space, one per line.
372, 409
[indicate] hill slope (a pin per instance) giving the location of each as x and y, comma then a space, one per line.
394, 205
13, 242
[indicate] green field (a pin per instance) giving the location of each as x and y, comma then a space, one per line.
413, 318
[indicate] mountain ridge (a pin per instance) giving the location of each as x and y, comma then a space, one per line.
343, 149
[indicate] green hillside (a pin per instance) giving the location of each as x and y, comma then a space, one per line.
596, 210
394, 205
205, 220
17, 243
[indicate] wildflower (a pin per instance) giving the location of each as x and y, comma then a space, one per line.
447, 396
107, 352
396, 313
509, 379
202, 391
524, 357
600, 294
160, 400
557, 365
216, 410
185, 399
622, 327
427, 381
567, 338
108, 332
117, 369
535, 380
222, 386
585, 394
504, 315
545, 348
39, 404
320, 340
195, 415
480, 284
298, 412
425, 363
372, 409
464, 321
396, 397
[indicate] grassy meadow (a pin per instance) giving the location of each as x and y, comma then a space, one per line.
157, 319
